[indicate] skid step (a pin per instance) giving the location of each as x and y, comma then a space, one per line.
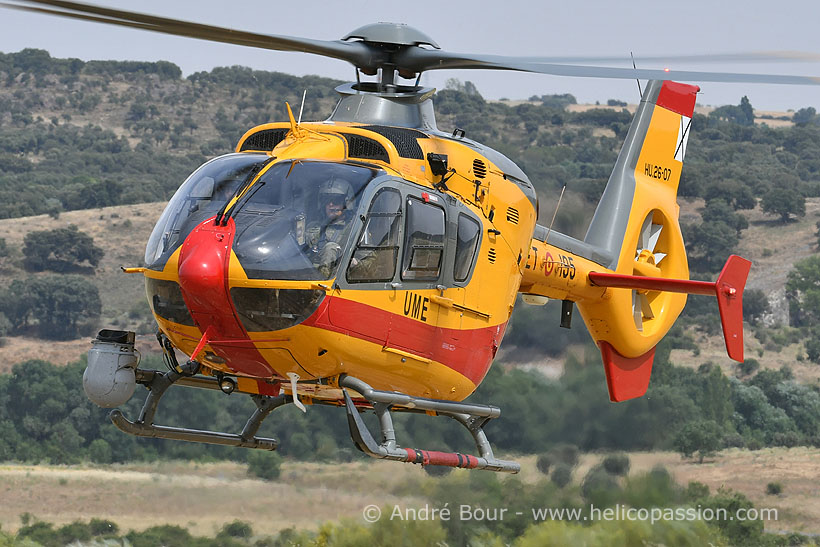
388, 449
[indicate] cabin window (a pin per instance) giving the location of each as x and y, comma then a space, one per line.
377, 249
469, 232
424, 241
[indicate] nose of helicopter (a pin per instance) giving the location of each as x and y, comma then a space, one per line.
203, 278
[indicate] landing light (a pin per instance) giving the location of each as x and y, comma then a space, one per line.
227, 385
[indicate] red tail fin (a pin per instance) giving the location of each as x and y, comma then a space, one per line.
626, 378
729, 288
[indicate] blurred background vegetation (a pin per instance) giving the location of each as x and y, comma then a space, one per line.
80, 135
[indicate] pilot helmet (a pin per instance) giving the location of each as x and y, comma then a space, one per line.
335, 188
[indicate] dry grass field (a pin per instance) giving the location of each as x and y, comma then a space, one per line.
204, 496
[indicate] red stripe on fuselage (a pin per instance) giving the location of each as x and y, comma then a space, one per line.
203, 278
469, 352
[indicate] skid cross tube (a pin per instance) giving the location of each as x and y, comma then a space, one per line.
472, 417
158, 383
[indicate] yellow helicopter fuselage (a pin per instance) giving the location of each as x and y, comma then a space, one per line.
431, 339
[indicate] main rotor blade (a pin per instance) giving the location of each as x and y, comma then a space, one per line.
355, 52
373, 55
420, 60
774, 56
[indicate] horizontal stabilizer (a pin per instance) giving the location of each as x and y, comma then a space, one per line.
728, 289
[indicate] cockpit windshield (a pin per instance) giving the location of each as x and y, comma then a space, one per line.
200, 197
294, 223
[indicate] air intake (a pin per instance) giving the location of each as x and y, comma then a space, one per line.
512, 215
265, 140
365, 148
479, 169
402, 138
491, 255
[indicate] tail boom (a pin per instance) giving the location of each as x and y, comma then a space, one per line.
630, 276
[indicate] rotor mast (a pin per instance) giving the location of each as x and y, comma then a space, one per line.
389, 40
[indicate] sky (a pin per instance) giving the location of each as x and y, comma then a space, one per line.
507, 27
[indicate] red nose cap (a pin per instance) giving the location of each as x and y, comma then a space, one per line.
203, 278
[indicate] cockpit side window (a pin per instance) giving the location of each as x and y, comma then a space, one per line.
423, 241
377, 249
469, 234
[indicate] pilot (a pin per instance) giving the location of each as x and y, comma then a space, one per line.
326, 237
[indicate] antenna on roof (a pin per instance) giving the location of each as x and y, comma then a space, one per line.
302, 107
640, 91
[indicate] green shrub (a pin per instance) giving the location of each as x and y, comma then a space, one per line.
543, 463
696, 490
437, 470
748, 366
166, 535
600, 488
566, 453
264, 464
236, 529
561, 475
103, 527
774, 489
616, 464
99, 451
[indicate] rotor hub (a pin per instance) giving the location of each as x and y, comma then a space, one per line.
391, 33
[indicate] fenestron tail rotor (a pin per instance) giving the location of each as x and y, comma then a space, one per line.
647, 263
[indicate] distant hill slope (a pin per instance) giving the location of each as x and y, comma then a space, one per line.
123, 230
104, 144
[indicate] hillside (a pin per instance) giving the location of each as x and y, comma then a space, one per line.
123, 230
103, 144
137, 496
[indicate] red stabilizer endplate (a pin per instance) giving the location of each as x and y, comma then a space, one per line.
626, 378
678, 97
448, 459
729, 288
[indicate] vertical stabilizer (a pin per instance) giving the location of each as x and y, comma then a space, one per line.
653, 153
636, 222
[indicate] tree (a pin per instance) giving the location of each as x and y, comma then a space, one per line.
561, 475
709, 244
804, 116
803, 292
600, 488
748, 111
784, 202
616, 464
58, 303
736, 194
719, 210
265, 465
755, 305
60, 249
703, 437
543, 463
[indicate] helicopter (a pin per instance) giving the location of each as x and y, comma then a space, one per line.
371, 261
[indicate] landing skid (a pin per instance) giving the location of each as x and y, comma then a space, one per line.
158, 383
472, 417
